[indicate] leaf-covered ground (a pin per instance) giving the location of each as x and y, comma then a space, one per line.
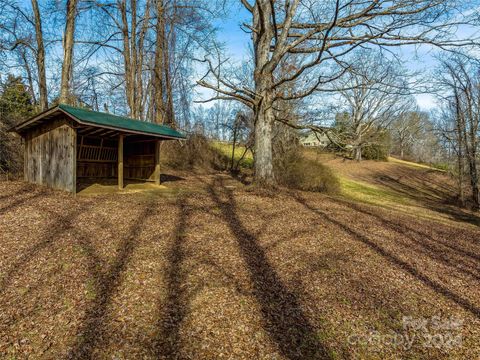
216, 270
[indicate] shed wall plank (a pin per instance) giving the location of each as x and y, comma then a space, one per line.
50, 157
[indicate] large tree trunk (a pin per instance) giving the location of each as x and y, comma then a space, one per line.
133, 52
133, 38
357, 150
461, 193
68, 52
264, 174
170, 114
467, 123
158, 70
357, 143
141, 98
474, 181
473, 134
357, 153
461, 170
263, 77
472, 145
264, 119
169, 44
150, 91
127, 60
40, 57
164, 113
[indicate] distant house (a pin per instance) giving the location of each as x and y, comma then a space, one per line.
312, 139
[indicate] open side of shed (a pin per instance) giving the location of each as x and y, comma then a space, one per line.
65, 144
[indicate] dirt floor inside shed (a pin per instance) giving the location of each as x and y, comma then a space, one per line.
106, 186
211, 269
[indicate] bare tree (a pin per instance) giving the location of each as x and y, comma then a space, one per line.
406, 129
40, 57
183, 27
19, 26
147, 48
320, 32
461, 80
449, 129
375, 93
158, 69
68, 42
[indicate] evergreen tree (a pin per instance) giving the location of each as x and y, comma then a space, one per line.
15, 105
15, 101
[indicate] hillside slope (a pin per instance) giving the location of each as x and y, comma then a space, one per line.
407, 187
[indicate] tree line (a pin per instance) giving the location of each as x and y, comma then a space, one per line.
130, 56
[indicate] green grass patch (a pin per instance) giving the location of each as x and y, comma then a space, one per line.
378, 196
372, 194
225, 149
414, 164
441, 166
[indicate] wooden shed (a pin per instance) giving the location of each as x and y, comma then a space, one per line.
65, 144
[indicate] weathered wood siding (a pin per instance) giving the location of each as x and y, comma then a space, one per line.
50, 156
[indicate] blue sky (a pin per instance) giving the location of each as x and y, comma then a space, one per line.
230, 33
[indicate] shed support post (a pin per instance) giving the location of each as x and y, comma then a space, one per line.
156, 173
25, 160
120, 161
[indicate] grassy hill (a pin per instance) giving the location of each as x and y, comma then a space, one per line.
241, 154
405, 186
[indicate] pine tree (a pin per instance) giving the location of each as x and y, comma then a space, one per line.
15, 101
15, 105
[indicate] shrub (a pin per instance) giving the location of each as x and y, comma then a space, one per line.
441, 166
375, 152
195, 153
11, 155
15, 105
307, 174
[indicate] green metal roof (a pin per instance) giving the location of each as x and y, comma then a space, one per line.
119, 122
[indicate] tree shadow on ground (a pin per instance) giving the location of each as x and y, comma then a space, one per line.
170, 178
394, 259
283, 317
64, 222
106, 280
241, 177
416, 183
24, 189
420, 237
22, 200
167, 342
430, 194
